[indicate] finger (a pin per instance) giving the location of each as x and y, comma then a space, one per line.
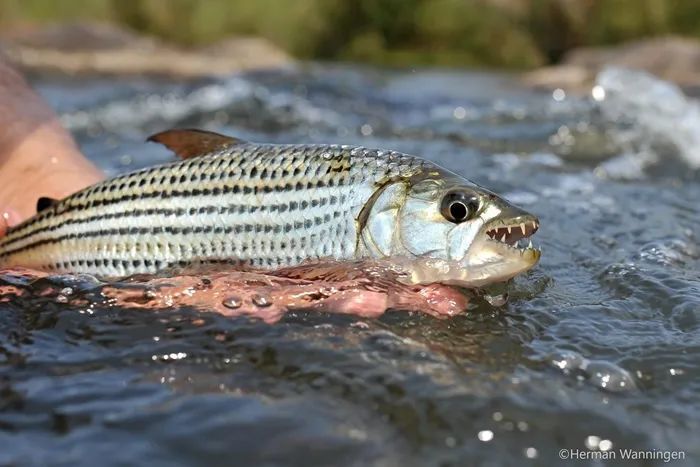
8, 218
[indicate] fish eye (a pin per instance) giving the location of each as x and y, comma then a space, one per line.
459, 206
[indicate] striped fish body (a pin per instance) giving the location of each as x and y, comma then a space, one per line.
265, 206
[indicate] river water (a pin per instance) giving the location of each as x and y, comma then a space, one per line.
596, 350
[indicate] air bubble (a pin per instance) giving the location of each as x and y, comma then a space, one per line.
232, 303
459, 113
261, 301
604, 375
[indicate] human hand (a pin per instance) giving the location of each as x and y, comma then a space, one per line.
37, 156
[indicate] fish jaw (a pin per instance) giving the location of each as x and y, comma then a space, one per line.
504, 248
501, 250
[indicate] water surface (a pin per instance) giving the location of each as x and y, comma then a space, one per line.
596, 348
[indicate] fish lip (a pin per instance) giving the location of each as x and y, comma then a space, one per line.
512, 256
508, 231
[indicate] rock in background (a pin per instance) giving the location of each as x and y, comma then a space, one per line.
101, 48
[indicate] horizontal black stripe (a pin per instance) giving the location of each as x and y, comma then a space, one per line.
232, 181
68, 205
208, 209
157, 230
131, 266
236, 188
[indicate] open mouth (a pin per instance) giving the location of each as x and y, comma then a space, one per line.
516, 235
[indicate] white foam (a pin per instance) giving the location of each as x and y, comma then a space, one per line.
654, 113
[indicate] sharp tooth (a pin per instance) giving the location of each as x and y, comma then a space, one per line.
509, 227
530, 245
503, 238
522, 228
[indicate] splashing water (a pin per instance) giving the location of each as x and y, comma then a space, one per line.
661, 119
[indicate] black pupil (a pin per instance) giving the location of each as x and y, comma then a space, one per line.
458, 211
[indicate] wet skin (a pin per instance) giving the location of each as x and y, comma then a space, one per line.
363, 289
38, 157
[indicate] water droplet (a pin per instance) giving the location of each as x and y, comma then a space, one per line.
261, 301
60, 298
531, 453
592, 442
67, 291
598, 93
559, 95
496, 299
232, 303
149, 294
485, 435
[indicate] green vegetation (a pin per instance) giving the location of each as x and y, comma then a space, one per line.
496, 33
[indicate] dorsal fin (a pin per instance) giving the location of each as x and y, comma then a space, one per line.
44, 203
192, 143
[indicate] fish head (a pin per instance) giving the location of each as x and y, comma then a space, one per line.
443, 228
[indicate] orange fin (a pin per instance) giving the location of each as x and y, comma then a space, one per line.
45, 203
192, 143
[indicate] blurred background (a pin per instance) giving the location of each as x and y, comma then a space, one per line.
513, 34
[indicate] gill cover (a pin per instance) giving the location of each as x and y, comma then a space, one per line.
405, 220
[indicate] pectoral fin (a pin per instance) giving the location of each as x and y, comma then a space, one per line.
45, 203
192, 143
